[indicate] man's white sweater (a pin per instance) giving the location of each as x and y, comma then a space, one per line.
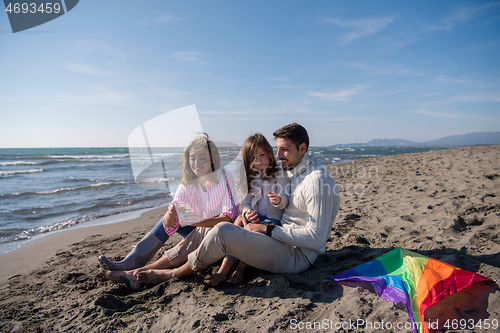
313, 205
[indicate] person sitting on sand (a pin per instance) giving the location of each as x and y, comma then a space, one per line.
208, 190
290, 248
264, 176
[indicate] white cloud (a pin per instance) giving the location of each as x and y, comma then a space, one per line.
278, 79
98, 96
459, 16
478, 97
86, 69
162, 18
108, 96
87, 48
339, 96
360, 27
291, 86
233, 112
395, 69
189, 57
444, 78
434, 114
451, 115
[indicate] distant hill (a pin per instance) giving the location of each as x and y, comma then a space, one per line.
479, 138
394, 142
470, 139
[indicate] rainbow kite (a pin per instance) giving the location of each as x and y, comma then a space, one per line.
413, 279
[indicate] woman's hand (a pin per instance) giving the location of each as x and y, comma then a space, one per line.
251, 216
169, 217
171, 209
241, 221
274, 198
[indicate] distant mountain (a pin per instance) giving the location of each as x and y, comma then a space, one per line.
394, 142
478, 138
226, 144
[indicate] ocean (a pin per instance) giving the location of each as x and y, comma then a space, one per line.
47, 189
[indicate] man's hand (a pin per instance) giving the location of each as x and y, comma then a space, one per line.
260, 228
274, 198
251, 216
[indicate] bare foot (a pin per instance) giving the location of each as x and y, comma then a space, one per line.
121, 277
239, 273
215, 279
154, 276
221, 274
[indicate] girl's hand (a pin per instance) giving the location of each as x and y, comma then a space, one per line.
274, 198
251, 216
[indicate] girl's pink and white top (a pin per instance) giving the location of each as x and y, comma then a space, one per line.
218, 202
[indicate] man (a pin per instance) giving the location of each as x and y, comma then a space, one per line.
290, 248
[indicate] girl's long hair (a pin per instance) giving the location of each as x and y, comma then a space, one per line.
248, 152
202, 141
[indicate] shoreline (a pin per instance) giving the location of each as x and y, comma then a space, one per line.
103, 220
36, 252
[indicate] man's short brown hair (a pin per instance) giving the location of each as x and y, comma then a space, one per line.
293, 132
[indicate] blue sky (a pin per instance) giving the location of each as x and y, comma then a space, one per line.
349, 71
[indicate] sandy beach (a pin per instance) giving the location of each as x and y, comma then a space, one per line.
442, 204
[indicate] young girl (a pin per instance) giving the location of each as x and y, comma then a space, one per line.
210, 192
266, 199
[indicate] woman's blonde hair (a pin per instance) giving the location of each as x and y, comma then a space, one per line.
201, 141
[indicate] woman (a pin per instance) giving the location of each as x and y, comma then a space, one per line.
209, 191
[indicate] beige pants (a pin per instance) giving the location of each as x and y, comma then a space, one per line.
255, 249
178, 255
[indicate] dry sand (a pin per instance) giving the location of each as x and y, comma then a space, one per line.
443, 204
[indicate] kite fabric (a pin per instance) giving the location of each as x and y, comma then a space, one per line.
413, 279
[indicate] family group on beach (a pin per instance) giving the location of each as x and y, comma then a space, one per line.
283, 227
